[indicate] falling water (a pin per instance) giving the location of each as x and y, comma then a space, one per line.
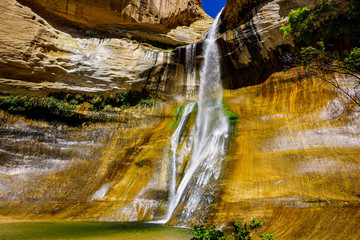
175, 139
190, 68
210, 133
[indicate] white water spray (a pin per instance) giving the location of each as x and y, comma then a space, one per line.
208, 143
190, 69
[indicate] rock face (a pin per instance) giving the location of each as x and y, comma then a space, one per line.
293, 164
295, 158
252, 45
38, 57
294, 161
74, 174
142, 19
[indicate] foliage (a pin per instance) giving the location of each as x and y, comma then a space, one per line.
64, 107
322, 21
352, 61
201, 232
296, 21
177, 114
331, 24
320, 63
45, 107
98, 102
344, 62
147, 102
267, 237
121, 100
241, 232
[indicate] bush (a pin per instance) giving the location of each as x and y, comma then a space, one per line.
149, 102
296, 21
98, 102
47, 108
241, 232
63, 107
201, 232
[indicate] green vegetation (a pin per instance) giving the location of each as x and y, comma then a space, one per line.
48, 108
296, 21
324, 20
233, 117
68, 108
241, 232
177, 114
330, 39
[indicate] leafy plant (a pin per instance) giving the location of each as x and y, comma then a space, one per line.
324, 20
328, 23
67, 107
321, 63
267, 237
241, 232
98, 102
149, 102
201, 232
296, 21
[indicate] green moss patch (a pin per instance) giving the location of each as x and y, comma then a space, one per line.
177, 114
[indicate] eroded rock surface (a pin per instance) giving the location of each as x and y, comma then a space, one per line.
252, 45
144, 20
295, 159
36, 56
293, 163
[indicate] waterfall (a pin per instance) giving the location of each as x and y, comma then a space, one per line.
208, 138
190, 69
175, 139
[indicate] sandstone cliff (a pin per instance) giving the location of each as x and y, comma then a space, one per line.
293, 163
36, 56
154, 21
252, 45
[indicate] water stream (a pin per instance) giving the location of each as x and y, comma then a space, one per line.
190, 69
198, 182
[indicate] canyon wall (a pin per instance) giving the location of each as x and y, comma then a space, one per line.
153, 20
36, 58
252, 45
293, 157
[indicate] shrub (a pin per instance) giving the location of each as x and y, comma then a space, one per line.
149, 102
98, 102
61, 106
201, 232
241, 232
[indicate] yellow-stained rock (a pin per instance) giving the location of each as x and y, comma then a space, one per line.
294, 163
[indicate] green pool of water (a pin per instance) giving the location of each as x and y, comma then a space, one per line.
91, 230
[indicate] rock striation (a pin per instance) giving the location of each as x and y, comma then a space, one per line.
293, 162
252, 45
147, 20
36, 56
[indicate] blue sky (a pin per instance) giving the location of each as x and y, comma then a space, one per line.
213, 7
